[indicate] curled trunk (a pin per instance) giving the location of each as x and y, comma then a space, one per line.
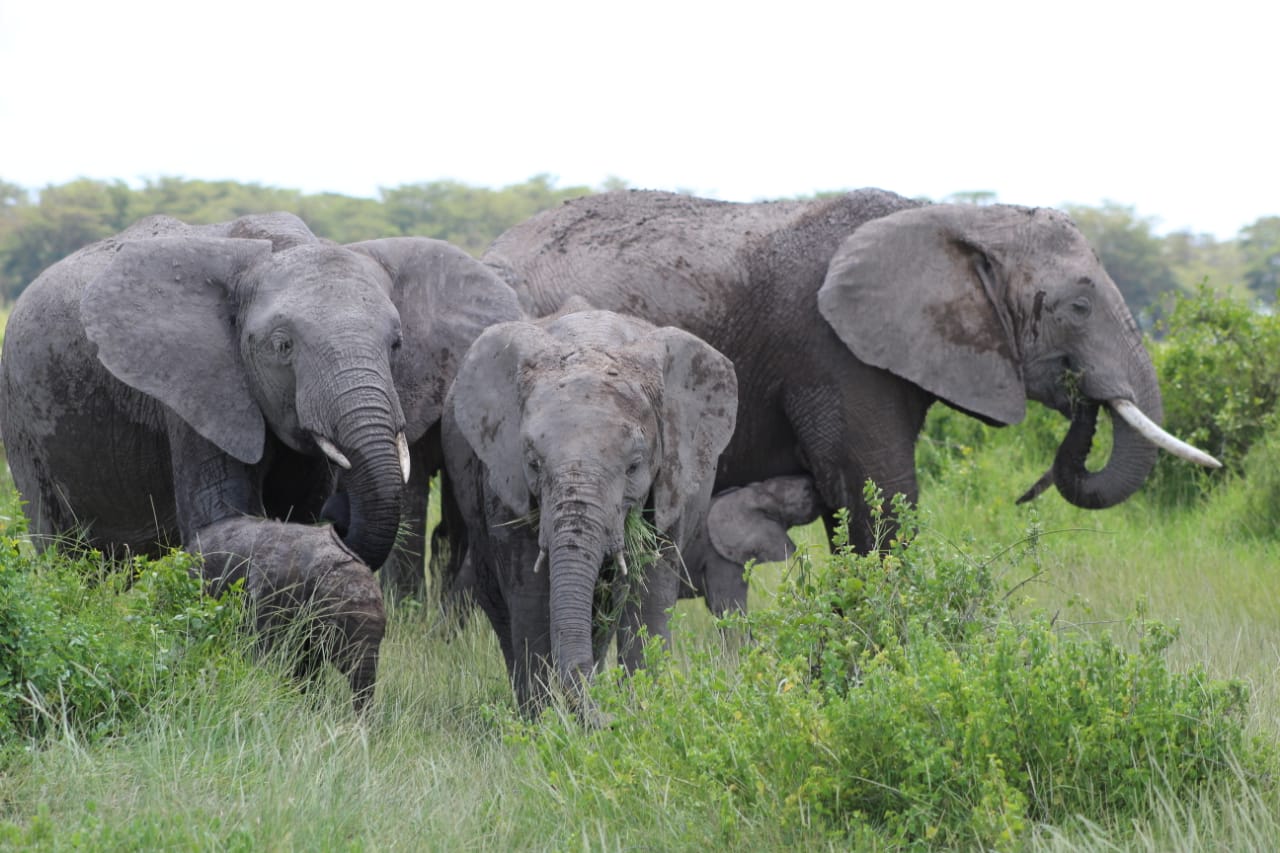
1132, 456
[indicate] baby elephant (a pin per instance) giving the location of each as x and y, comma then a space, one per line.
745, 524
555, 430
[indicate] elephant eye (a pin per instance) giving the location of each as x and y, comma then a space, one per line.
1081, 307
283, 345
632, 469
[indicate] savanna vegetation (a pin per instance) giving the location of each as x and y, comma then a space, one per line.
1002, 676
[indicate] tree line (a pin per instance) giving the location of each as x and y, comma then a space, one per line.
39, 228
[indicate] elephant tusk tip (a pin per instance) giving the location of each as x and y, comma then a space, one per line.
402, 448
1153, 433
537, 564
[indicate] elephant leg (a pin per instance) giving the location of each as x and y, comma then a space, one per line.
647, 612
846, 440
526, 597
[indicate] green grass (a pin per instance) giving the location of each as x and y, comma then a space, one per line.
243, 761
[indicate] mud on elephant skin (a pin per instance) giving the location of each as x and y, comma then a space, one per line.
580, 420
170, 378
746, 524
847, 317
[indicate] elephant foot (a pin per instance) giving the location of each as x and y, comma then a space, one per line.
313, 599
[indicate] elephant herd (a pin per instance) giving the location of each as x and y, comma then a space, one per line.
278, 403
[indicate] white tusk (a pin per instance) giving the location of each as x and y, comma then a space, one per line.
537, 564
1149, 430
328, 448
402, 446
622, 563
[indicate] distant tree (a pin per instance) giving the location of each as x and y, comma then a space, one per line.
467, 216
343, 218
1131, 253
1260, 246
65, 218
203, 202
1198, 259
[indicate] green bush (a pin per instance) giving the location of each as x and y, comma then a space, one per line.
83, 649
902, 699
1219, 368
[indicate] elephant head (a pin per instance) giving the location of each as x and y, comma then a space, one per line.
256, 328
586, 417
745, 524
985, 307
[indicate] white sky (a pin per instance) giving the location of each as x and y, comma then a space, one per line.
1170, 107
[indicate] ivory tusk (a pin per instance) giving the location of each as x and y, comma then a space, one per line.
327, 447
621, 559
402, 447
537, 564
1149, 430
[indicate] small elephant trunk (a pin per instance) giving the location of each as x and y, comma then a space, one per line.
577, 546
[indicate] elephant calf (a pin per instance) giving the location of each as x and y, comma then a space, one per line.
554, 431
745, 524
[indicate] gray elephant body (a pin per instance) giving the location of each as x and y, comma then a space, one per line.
847, 317
586, 418
163, 382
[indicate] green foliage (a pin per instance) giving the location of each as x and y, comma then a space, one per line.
1260, 246
84, 650
900, 699
1220, 380
469, 217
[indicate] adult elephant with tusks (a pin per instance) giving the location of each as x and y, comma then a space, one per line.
204, 385
847, 317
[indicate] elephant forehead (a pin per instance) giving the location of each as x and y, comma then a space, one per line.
324, 268
589, 399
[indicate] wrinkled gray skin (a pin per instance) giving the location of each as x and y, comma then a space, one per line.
581, 418
165, 381
847, 317
744, 524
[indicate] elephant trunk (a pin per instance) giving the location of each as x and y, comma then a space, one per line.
368, 432
576, 534
1132, 455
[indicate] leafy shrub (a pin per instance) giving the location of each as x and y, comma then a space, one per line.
900, 699
1220, 378
85, 649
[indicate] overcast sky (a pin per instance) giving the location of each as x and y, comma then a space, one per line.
1172, 108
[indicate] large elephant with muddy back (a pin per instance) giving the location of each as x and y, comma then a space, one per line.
847, 317
225, 387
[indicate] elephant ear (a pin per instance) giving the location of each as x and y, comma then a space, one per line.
699, 410
163, 317
751, 523
920, 294
446, 299
487, 405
